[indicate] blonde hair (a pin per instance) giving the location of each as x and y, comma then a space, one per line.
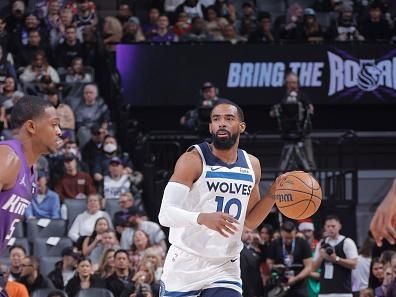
104, 269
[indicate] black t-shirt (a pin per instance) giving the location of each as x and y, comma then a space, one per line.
300, 252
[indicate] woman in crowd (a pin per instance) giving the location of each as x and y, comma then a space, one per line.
90, 242
153, 256
84, 278
140, 243
106, 265
84, 223
77, 72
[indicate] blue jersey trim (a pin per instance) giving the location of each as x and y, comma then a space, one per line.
212, 160
181, 294
228, 282
229, 175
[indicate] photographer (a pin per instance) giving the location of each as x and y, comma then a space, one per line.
336, 255
294, 114
290, 256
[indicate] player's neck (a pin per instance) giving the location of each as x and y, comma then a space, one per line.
227, 156
29, 151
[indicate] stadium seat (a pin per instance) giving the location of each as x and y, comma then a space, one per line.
55, 228
18, 241
47, 264
45, 292
271, 6
94, 292
112, 206
74, 208
42, 249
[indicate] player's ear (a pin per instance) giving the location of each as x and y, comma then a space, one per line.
31, 126
242, 127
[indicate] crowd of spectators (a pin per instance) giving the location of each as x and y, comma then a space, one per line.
51, 48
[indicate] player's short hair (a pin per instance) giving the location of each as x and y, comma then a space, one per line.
288, 226
27, 108
17, 246
332, 217
240, 113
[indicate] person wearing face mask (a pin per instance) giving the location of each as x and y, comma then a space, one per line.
110, 150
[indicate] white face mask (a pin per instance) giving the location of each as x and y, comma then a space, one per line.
110, 148
72, 151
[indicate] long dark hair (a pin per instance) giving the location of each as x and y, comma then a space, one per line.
94, 233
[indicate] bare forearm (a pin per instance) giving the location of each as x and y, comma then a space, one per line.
259, 212
347, 263
316, 264
304, 273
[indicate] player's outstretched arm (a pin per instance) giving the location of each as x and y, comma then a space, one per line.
258, 209
10, 165
188, 169
383, 223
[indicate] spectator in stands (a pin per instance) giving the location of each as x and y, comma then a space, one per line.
112, 33
95, 240
17, 253
193, 8
214, 23
52, 22
163, 34
6, 68
91, 111
376, 273
39, 69
32, 23
143, 281
150, 27
124, 13
140, 242
69, 49
248, 21
84, 223
26, 54
4, 35
58, 35
231, 35
109, 241
182, 25
361, 274
291, 250
84, 278
308, 229
106, 264
64, 112
46, 204
132, 31
122, 276
291, 27
375, 27
74, 183
153, 256
311, 27
250, 264
94, 147
171, 5
345, 28
110, 150
76, 72
128, 208
31, 276
117, 181
86, 15
17, 17
12, 288
64, 269
152, 229
341, 262
265, 233
226, 10
264, 32
383, 289
9, 91
198, 31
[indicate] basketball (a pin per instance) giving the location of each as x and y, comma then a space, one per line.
298, 195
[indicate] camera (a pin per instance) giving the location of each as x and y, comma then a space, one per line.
328, 248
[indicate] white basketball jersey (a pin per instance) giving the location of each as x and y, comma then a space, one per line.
221, 187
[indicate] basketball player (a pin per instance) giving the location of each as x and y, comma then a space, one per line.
211, 195
37, 132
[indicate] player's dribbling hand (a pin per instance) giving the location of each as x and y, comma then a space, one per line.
219, 221
383, 223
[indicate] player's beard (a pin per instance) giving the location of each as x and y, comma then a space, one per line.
224, 143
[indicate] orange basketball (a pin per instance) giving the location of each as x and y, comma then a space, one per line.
298, 195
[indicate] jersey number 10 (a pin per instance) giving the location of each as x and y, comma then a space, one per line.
226, 208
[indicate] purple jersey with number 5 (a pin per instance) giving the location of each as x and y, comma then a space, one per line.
14, 201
